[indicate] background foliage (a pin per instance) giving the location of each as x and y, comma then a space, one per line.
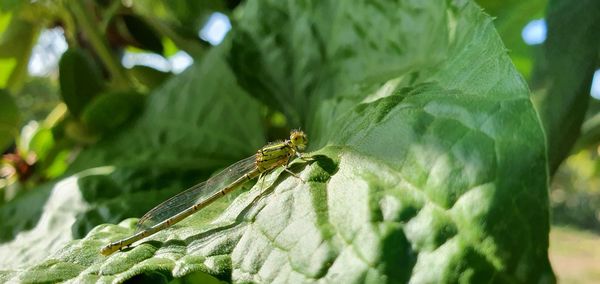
432, 155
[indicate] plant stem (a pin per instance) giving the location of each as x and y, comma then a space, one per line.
192, 47
94, 35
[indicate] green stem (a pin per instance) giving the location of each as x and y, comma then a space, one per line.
110, 13
94, 35
194, 48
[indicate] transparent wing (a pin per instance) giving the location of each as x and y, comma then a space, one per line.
195, 194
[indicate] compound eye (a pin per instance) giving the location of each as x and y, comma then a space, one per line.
298, 138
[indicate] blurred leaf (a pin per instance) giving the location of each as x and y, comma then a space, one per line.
16, 44
143, 36
590, 136
149, 76
41, 142
21, 214
563, 75
37, 100
108, 111
15, 36
53, 154
9, 5
7, 65
431, 167
80, 132
80, 80
9, 120
590, 129
575, 191
4, 20
56, 166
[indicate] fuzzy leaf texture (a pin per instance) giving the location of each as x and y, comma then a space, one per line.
429, 159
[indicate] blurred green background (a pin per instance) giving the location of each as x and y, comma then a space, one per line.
64, 87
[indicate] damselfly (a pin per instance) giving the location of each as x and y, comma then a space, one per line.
201, 195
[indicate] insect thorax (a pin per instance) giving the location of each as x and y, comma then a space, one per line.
274, 155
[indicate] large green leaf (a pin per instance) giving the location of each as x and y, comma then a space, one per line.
430, 166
